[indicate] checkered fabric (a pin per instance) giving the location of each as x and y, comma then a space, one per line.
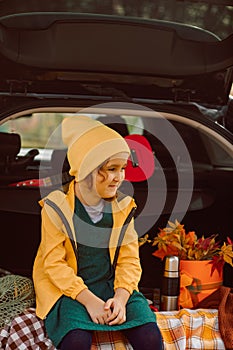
190, 329
27, 332
109, 341
181, 330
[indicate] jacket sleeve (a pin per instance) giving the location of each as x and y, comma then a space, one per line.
58, 259
128, 268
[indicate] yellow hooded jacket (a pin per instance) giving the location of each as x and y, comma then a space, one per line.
55, 267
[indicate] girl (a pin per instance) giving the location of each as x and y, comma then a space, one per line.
87, 270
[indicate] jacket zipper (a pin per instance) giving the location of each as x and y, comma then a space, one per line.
65, 222
70, 234
122, 233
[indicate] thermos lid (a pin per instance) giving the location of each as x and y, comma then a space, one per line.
171, 266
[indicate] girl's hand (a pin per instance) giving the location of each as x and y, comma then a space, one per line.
95, 307
117, 306
97, 311
118, 314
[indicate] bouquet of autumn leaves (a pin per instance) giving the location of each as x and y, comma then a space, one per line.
174, 240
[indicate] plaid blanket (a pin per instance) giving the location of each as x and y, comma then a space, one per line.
181, 330
190, 329
27, 332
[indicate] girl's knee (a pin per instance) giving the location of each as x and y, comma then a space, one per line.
145, 337
76, 339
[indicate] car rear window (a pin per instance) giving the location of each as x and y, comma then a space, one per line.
42, 131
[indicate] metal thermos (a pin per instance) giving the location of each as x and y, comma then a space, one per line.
170, 284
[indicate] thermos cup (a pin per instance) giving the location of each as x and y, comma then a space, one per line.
170, 284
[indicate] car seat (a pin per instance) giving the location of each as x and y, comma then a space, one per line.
10, 162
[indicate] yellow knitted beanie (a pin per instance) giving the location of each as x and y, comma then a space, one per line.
90, 143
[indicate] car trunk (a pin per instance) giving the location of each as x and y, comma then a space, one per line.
65, 61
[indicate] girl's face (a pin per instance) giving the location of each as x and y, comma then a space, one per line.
110, 176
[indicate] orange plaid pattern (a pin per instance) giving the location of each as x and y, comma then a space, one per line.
190, 329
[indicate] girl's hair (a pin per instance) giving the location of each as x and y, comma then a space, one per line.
89, 179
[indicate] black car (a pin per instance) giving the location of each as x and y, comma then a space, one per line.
147, 69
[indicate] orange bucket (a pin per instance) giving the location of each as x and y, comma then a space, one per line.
203, 284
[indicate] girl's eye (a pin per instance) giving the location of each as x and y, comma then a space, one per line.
114, 169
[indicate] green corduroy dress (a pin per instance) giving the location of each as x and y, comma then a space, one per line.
95, 268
